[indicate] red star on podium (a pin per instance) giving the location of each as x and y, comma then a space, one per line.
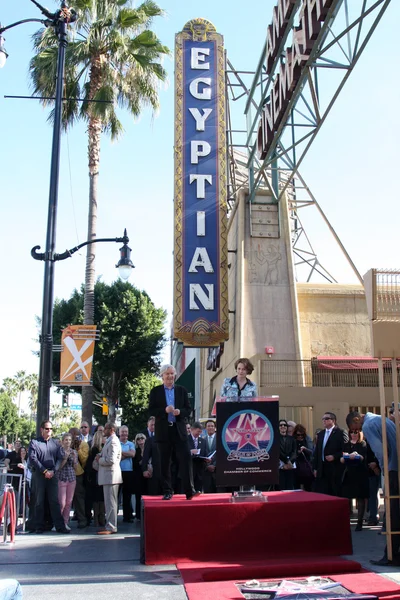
248, 434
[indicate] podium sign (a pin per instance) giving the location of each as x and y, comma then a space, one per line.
247, 443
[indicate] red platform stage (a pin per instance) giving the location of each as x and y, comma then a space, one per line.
211, 528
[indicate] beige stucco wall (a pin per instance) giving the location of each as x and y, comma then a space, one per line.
301, 321
333, 320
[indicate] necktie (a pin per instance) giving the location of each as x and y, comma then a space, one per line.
326, 438
196, 443
209, 443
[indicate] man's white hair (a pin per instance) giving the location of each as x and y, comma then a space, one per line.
165, 368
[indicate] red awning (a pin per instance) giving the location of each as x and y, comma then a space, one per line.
349, 363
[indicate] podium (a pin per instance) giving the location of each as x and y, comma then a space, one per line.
247, 442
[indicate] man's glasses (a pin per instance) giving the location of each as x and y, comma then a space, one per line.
282, 425
48, 428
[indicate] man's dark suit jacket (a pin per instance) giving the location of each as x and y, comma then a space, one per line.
202, 446
334, 446
157, 406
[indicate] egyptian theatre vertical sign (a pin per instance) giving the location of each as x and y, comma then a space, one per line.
200, 252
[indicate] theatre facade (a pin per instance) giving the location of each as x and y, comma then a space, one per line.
309, 343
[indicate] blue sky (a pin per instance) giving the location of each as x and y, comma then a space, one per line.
351, 169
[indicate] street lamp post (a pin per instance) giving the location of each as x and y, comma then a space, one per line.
59, 21
124, 266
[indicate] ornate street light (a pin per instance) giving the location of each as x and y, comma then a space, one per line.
59, 21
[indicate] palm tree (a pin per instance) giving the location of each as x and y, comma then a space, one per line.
32, 385
113, 60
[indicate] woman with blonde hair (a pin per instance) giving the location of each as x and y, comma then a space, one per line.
95, 490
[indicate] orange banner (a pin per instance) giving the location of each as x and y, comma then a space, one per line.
77, 355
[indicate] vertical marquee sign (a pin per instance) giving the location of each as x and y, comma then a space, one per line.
200, 254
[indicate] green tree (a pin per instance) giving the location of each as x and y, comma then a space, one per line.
112, 59
15, 386
25, 428
63, 419
131, 339
135, 399
8, 415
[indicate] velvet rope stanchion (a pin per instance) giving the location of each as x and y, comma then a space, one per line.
8, 512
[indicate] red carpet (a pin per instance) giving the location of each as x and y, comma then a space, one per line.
197, 572
361, 583
288, 524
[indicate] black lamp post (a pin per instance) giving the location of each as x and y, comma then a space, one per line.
59, 21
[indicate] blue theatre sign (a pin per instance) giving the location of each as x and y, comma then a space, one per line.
200, 248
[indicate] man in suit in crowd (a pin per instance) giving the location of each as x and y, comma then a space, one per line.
170, 405
328, 469
107, 463
149, 431
197, 446
151, 467
85, 434
209, 476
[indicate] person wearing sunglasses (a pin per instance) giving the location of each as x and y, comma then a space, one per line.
287, 457
304, 475
44, 453
355, 477
329, 449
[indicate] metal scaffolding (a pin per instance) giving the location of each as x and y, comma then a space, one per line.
343, 37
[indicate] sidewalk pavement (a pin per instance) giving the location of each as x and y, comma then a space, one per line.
83, 564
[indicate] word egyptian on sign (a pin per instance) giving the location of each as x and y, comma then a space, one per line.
201, 317
200, 88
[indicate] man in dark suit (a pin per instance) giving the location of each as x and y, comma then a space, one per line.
149, 431
209, 476
197, 446
151, 467
328, 469
170, 405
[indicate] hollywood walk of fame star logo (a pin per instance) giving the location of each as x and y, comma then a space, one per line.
248, 434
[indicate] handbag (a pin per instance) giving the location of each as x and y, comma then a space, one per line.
304, 468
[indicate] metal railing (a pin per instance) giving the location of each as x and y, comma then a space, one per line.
327, 373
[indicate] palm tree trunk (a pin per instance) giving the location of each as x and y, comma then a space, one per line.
94, 136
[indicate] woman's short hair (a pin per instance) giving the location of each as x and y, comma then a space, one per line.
67, 434
139, 436
247, 365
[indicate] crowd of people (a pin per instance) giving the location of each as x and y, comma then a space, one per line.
94, 474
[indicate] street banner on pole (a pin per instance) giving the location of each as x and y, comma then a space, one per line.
77, 354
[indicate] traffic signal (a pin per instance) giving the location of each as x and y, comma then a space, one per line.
65, 400
105, 407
